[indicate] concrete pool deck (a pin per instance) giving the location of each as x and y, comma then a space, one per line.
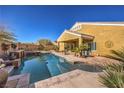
73, 79
98, 60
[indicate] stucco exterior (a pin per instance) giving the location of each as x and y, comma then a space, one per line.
108, 36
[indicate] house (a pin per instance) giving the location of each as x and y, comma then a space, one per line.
101, 37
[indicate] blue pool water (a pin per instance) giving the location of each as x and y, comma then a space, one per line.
46, 66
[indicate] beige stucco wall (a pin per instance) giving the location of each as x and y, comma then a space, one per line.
102, 33
115, 34
61, 46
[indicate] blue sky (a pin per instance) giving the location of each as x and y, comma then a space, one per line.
31, 23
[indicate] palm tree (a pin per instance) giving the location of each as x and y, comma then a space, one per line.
113, 76
6, 36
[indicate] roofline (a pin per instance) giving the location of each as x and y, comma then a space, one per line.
61, 35
98, 24
102, 23
80, 35
73, 33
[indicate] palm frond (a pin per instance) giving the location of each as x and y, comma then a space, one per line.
7, 36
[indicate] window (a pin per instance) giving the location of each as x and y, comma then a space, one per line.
93, 46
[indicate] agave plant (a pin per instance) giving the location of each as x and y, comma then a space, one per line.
117, 54
113, 76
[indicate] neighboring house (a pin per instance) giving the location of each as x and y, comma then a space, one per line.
27, 46
101, 37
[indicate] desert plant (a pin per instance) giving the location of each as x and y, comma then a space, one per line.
117, 54
113, 76
84, 47
76, 50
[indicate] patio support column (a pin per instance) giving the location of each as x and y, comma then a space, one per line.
80, 41
61, 46
70, 45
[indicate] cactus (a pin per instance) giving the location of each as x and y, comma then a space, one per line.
3, 78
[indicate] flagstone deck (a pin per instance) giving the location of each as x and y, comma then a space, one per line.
72, 79
99, 61
9, 68
18, 81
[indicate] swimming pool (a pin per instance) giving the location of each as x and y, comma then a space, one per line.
48, 65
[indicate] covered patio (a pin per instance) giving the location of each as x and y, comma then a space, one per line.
70, 40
